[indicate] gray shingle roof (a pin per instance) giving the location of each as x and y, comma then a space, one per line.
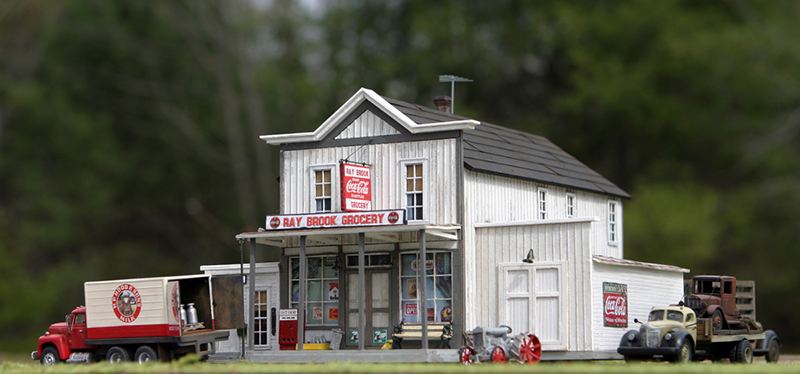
502, 151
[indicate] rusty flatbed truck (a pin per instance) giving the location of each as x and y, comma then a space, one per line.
676, 334
141, 319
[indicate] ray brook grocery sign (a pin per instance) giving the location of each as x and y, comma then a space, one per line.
330, 220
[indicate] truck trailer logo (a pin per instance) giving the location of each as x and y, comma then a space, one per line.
127, 303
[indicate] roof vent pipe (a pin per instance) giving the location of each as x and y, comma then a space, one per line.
443, 103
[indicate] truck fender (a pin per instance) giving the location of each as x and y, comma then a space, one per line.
711, 308
678, 337
769, 336
630, 338
58, 341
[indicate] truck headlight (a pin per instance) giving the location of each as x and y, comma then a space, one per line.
631, 336
668, 336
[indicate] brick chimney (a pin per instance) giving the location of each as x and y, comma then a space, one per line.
443, 103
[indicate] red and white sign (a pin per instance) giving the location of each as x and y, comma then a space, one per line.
356, 188
615, 302
127, 303
411, 309
329, 220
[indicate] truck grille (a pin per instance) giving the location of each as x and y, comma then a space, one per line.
652, 335
693, 302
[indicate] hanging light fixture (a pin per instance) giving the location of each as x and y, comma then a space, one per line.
529, 258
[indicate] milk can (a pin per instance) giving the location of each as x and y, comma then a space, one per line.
183, 315
191, 314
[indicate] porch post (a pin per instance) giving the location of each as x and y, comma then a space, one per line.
362, 323
421, 286
251, 307
301, 310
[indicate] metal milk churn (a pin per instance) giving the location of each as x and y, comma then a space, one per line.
183, 315
191, 314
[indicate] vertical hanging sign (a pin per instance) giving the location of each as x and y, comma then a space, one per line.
356, 187
615, 300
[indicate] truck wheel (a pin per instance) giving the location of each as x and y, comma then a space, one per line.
145, 354
774, 351
742, 352
50, 356
684, 354
118, 354
717, 320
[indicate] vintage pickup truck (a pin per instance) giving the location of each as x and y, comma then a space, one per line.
675, 334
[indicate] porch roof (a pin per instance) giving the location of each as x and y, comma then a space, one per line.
279, 238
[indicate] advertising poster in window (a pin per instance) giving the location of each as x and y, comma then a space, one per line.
333, 291
333, 313
615, 301
410, 309
412, 288
317, 313
356, 188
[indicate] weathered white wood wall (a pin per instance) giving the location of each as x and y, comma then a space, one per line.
565, 245
367, 125
646, 288
388, 174
492, 198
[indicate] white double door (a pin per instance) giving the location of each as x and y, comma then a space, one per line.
376, 307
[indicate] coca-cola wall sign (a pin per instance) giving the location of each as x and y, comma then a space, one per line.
330, 220
615, 304
356, 188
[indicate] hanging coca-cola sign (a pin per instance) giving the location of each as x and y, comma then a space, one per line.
356, 187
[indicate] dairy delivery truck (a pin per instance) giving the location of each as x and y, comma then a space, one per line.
146, 319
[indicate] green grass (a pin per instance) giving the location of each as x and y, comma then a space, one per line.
190, 366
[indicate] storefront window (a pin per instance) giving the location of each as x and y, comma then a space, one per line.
438, 287
322, 289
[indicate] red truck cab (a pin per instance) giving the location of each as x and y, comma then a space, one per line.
714, 296
63, 338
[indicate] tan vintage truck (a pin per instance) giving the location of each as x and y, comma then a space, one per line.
676, 334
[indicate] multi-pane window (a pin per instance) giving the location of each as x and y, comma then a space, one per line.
542, 203
322, 190
571, 200
261, 330
414, 192
322, 289
438, 287
612, 222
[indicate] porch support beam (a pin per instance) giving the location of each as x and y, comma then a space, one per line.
422, 268
301, 312
251, 306
362, 322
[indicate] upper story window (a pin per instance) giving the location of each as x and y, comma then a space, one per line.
612, 222
322, 190
571, 202
542, 203
414, 191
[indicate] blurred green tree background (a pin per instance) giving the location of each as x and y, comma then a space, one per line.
129, 130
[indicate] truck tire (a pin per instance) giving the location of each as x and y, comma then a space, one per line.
742, 352
773, 351
50, 356
684, 354
117, 355
717, 320
145, 354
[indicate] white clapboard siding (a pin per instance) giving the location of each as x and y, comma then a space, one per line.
565, 246
646, 288
367, 125
388, 173
492, 198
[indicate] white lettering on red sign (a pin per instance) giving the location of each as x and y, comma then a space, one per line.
411, 309
329, 220
356, 188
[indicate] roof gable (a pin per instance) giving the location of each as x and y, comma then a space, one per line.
394, 114
367, 125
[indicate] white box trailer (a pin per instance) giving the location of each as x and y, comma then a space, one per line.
140, 319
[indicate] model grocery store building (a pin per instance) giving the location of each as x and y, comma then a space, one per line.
514, 231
